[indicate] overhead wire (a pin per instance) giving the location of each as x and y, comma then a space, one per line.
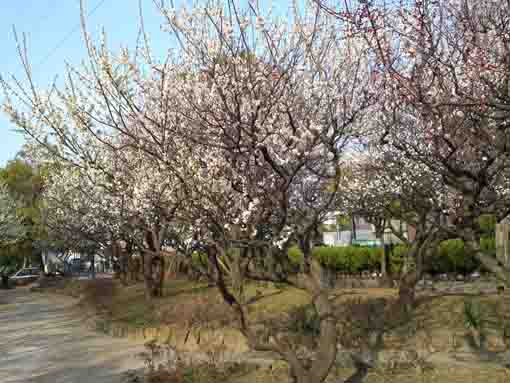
69, 34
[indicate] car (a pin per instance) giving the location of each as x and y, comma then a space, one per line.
25, 276
475, 275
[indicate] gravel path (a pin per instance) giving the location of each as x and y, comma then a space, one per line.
41, 341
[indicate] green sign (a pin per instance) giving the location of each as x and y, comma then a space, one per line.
366, 242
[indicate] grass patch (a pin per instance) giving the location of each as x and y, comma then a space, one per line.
457, 374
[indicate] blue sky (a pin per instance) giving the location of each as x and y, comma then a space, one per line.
47, 23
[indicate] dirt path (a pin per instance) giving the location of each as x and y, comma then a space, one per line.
42, 342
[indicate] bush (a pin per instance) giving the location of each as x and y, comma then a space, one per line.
295, 255
397, 258
450, 257
488, 244
453, 257
351, 259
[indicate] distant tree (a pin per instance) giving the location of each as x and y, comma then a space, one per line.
23, 186
11, 227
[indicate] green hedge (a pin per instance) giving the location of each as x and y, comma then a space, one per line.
450, 257
350, 259
453, 257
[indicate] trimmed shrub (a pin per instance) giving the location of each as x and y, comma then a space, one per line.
397, 258
453, 257
295, 255
351, 259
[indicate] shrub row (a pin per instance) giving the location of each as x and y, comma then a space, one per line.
349, 259
450, 257
453, 257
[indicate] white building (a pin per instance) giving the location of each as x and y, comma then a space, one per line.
364, 233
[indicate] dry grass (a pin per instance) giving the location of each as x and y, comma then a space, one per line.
437, 322
184, 300
465, 374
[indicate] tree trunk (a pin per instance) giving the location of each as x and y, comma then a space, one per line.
325, 353
406, 291
385, 280
158, 276
353, 230
360, 374
384, 268
152, 256
409, 278
5, 281
93, 266
124, 262
161, 275
142, 265
419, 251
147, 274
498, 268
42, 266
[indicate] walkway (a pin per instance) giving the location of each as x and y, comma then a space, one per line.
42, 342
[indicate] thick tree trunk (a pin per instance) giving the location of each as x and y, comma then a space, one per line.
406, 291
152, 258
409, 278
158, 275
325, 353
147, 274
419, 252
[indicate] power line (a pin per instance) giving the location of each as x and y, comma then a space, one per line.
69, 34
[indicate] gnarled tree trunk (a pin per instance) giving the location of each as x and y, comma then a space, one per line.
419, 252
153, 270
308, 280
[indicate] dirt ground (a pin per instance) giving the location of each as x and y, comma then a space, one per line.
41, 341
